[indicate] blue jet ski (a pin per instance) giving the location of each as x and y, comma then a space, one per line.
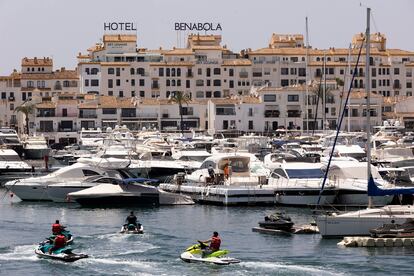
62, 254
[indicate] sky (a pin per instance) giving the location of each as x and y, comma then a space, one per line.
61, 29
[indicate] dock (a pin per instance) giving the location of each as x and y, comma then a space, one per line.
376, 242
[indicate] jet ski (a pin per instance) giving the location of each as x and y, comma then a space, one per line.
393, 230
63, 254
132, 229
277, 221
194, 254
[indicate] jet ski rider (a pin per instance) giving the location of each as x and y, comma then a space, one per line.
131, 219
57, 228
215, 242
58, 243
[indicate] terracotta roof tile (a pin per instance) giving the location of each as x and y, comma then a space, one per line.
119, 38
37, 61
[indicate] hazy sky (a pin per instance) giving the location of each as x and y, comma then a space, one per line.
61, 29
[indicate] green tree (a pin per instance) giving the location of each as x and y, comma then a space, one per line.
180, 98
26, 109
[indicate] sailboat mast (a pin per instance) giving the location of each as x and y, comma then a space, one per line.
367, 89
307, 77
348, 85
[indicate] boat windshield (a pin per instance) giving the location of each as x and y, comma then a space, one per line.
305, 173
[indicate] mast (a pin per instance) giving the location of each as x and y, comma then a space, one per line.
324, 94
367, 89
306, 79
349, 84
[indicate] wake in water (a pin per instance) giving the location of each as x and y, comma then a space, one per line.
286, 268
19, 253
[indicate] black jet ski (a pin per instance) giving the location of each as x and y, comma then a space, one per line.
132, 229
62, 254
277, 221
394, 230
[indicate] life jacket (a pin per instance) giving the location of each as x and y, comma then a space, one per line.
215, 243
60, 241
56, 228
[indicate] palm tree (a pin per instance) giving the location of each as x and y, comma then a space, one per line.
26, 109
180, 98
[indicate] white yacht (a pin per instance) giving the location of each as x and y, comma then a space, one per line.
298, 183
350, 179
91, 138
11, 166
358, 223
245, 184
34, 188
10, 139
35, 147
127, 194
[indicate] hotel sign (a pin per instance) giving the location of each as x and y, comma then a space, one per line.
119, 26
197, 26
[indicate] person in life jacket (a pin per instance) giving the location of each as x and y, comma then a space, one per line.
57, 228
59, 242
215, 242
132, 219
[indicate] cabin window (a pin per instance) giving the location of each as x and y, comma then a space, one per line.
89, 173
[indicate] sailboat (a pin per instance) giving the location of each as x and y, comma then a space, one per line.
358, 223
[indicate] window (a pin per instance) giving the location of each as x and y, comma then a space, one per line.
396, 71
231, 72
65, 84
23, 96
110, 93
142, 82
94, 71
187, 84
333, 111
250, 125
178, 82
208, 73
200, 94
111, 71
118, 82
217, 82
409, 85
86, 82
178, 72
269, 98
284, 71
172, 72
293, 98
12, 106
89, 173
110, 83
132, 93
208, 94
94, 82
217, 94
87, 71
161, 72
167, 82
118, 72
132, 82
199, 82
284, 82
3, 95
374, 72
302, 72
216, 71
167, 72
208, 83
141, 71
121, 94
231, 84
108, 110
142, 94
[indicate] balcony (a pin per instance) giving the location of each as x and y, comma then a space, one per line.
70, 114
45, 130
11, 98
243, 74
155, 86
396, 86
147, 115
88, 116
46, 114
58, 87
190, 74
294, 113
165, 115
272, 113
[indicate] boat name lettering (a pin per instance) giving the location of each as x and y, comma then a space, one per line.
198, 26
119, 26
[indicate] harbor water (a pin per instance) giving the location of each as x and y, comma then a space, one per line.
168, 231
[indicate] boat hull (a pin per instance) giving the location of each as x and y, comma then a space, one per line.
120, 200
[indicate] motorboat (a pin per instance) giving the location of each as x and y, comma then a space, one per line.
12, 167
35, 147
129, 193
277, 221
35, 188
10, 140
393, 230
298, 183
359, 223
194, 254
91, 138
